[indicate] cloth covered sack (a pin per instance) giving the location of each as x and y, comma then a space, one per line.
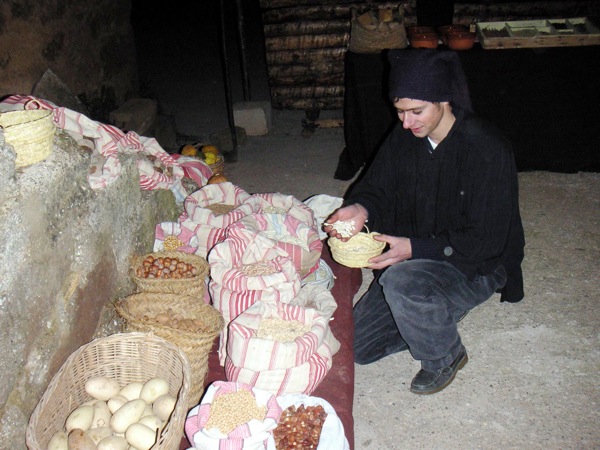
316, 297
299, 240
253, 435
235, 283
277, 203
171, 236
211, 209
302, 379
246, 349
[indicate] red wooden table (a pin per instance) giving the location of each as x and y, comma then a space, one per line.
338, 386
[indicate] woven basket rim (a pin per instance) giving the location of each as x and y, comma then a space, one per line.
186, 302
203, 271
340, 250
170, 437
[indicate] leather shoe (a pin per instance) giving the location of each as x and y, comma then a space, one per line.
429, 382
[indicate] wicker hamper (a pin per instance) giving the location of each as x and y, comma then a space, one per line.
194, 286
125, 357
356, 251
30, 132
139, 312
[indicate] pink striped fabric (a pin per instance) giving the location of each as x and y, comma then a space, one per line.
244, 349
187, 237
109, 142
290, 204
302, 379
305, 255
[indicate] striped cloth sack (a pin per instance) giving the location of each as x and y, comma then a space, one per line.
202, 215
235, 283
277, 203
253, 435
300, 241
171, 236
246, 349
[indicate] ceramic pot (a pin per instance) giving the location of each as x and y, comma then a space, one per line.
460, 40
444, 30
424, 40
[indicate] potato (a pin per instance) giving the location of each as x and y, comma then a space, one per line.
152, 422
163, 406
132, 390
58, 441
81, 418
99, 433
113, 443
154, 388
116, 402
102, 388
101, 415
127, 414
78, 440
140, 436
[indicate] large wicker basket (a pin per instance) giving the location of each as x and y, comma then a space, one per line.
194, 286
125, 357
30, 132
356, 251
139, 312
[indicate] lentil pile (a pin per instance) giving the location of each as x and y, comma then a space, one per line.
220, 208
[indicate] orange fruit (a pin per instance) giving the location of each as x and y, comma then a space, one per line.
217, 178
210, 149
189, 150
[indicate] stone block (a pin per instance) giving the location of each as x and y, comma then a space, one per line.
138, 115
254, 117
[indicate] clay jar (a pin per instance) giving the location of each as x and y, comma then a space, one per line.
424, 40
444, 30
460, 40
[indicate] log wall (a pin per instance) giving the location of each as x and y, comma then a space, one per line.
306, 40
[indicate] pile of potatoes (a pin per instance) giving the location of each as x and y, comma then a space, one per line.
117, 418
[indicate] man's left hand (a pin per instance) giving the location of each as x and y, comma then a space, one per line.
399, 250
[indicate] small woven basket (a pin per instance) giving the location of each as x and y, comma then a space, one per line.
193, 286
125, 357
30, 132
219, 166
356, 251
139, 311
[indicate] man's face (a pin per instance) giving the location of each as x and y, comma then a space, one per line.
422, 118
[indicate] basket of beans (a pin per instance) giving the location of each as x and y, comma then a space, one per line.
171, 273
190, 324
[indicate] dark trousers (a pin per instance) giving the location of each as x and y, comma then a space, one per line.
415, 305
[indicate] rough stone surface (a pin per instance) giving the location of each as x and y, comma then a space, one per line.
88, 45
222, 139
138, 115
66, 250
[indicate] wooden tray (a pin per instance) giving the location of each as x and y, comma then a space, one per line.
538, 33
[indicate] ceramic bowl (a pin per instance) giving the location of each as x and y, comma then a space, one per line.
419, 30
444, 30
424, 40
460, 40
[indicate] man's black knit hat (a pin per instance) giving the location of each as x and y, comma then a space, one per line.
430, 75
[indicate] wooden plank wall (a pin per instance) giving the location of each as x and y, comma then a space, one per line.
306, 40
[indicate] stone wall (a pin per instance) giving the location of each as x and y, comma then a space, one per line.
66, 251
88, 45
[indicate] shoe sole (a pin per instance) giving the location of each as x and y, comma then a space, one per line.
461, 364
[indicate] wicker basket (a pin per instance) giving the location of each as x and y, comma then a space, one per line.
126, 357
356, 251
219, 166
30, 132
139, 311
194, 286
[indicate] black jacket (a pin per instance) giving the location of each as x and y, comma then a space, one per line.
474, 220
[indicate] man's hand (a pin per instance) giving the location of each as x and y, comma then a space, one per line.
399, 250
356, 212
